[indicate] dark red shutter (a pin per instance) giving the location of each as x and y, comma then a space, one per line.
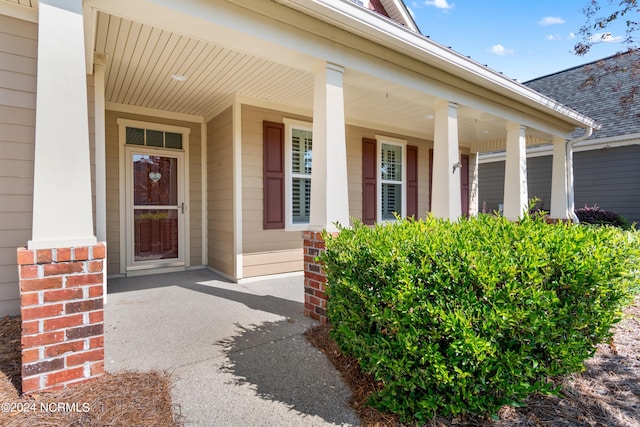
273, 175
369, 183
430, 179
464, 184
412, 181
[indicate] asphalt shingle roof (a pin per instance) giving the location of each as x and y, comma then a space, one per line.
611, 78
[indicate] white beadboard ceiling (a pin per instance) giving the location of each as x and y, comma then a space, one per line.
26, 3
141, 60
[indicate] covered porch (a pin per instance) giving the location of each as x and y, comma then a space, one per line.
189, 135
217, 74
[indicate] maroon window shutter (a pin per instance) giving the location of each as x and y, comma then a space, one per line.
273, 175
464, 184
412, 181
369, 183
430, 178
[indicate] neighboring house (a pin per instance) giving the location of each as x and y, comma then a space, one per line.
605, 166
190, 134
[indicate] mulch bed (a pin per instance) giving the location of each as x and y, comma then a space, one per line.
606, 394
120, 399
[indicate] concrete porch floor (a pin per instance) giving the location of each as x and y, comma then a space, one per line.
235, 351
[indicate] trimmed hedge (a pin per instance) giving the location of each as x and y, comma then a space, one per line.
464, 317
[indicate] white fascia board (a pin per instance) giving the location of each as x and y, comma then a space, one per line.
368, 24
152, 112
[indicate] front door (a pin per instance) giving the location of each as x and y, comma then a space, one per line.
155, 210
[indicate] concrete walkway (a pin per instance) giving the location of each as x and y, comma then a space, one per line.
236, 352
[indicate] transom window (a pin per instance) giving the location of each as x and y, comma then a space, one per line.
299, 140
153, 138
391, 160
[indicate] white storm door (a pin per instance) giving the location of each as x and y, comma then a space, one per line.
155, 209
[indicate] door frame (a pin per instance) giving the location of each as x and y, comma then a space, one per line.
127, 266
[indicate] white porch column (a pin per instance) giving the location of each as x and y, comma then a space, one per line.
474, 189
329, 192
515, 174
446, 163
559, 189
62, 178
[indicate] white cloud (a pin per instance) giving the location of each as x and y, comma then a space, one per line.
440, 4
605, 38
558, 37
550, 20
500, 50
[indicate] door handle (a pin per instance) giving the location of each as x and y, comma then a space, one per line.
182, 207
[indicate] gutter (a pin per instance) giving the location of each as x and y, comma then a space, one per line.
571, 203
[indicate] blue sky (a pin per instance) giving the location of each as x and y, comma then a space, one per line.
523, 39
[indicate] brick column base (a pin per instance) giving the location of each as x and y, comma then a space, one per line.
315, 279
61, 297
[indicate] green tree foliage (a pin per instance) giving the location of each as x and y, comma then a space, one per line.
465, 317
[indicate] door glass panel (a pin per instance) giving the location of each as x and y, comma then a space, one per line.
155, 180
156, 234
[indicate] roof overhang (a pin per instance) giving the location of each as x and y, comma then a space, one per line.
350, 17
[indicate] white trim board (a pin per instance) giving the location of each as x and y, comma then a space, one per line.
547, 150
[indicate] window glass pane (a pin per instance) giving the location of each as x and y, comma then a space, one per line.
301, 144
173, 140
135, 136
391, 200
154, 138
301, 198
156, 234
391, 162
155, 180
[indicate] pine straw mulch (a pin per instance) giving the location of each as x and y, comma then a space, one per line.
120, 399
607, 394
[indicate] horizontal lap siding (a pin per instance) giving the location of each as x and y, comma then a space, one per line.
18, 64
256, 240
220, 192
194, 204
606, 177
354, 135
277, 251
490, 186
610, 178
539, 180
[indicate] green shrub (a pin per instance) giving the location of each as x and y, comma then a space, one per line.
464, 317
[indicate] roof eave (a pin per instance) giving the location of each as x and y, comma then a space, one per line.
350, 17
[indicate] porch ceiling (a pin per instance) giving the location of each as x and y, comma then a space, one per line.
141, 60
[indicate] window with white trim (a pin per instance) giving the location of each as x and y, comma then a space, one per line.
299, 140
392, 178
